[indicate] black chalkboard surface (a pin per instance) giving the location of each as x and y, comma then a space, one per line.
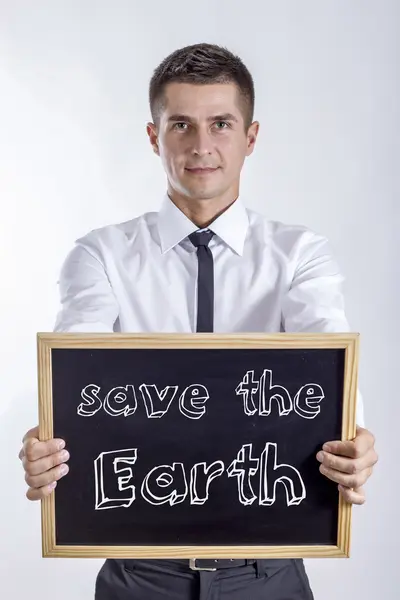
197, 445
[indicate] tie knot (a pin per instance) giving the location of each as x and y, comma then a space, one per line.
201, 238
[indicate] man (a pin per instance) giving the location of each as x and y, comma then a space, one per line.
203, 263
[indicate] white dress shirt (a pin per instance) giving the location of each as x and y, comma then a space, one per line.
141, 276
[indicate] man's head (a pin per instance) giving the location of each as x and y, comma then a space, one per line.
202, 104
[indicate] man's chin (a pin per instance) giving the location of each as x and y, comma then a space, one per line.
198, 191
202, 194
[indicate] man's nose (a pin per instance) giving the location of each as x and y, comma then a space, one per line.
202, 144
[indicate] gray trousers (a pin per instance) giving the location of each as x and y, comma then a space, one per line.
157, 579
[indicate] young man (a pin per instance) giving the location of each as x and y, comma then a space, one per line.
203, 263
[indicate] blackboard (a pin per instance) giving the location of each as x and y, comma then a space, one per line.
199, 445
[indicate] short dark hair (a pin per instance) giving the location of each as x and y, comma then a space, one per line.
202, 64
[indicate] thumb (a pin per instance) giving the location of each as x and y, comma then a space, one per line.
32, 433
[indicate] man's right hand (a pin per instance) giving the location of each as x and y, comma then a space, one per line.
44, 464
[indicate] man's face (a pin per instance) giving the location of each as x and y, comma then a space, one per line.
202, 127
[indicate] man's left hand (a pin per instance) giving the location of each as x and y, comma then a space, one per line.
349, 464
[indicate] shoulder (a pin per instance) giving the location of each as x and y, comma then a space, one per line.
110, 238
294, 240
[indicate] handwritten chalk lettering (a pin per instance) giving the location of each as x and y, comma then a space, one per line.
257, 396
191, 402
305, 404
157, 403
243, 467
167, 484
91, 399
117, 396
200, 478
269, 392
271, 473
111, 492
308, 397
168, 479
248, 388
122, 400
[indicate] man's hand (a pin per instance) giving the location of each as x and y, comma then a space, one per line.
349, 464
44, 464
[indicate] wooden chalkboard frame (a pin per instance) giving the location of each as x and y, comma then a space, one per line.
349, 342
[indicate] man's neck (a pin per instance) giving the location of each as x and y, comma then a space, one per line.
202, 212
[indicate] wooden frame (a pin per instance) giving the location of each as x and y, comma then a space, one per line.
349, 342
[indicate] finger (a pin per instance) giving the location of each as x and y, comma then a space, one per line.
40, 493
32, 433
347, 449
349, 481
347, 465
42, 465
356, 496
34, 449
351, 448
44, 479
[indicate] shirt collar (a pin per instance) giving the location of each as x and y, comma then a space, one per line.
174, 226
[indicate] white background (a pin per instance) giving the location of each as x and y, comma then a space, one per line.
74, 155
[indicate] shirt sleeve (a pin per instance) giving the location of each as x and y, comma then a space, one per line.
315, 301
88, 303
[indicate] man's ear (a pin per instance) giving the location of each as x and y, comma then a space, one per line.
153, 137
252, 137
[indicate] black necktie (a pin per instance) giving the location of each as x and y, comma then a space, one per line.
205, 280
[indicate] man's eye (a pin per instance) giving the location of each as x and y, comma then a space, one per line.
183, 126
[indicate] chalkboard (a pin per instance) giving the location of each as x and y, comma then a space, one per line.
196, 445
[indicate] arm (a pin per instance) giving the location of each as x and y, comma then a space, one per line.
88, 303
315, 303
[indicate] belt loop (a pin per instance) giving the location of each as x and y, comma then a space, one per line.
260, 568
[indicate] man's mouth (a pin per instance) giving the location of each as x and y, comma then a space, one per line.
201, 170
